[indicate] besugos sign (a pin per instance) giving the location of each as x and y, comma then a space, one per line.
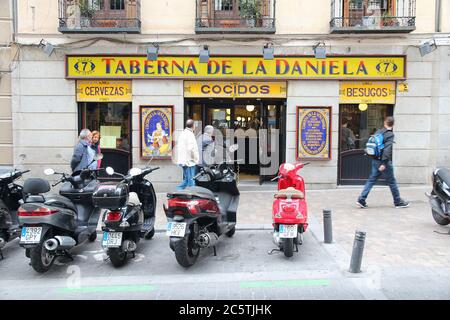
367, 92
241, 89
235, 67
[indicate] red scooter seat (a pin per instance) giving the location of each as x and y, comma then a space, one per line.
290, 193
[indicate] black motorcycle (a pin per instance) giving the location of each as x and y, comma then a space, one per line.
130, 215
198, 216
10, 195
439, 197
52, 224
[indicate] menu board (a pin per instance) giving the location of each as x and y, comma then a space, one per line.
314, 133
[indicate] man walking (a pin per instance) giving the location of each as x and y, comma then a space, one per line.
383, 166
187, 154
82, 153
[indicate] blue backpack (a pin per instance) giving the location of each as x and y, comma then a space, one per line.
375, 145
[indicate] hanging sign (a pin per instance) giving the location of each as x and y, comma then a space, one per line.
224, 89
235, 67
367, 92
104, 91
314, 133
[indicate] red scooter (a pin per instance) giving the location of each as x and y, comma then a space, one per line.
289, 209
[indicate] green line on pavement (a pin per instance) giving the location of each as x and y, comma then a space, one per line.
285, 283
120, 288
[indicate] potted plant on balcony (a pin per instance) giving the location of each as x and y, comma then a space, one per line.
87, 12
388, 21
251, 12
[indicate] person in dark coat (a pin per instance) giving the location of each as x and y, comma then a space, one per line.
383, 166
82, 155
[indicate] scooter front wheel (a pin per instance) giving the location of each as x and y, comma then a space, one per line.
117, 256
41, 259
288, 247
186, 252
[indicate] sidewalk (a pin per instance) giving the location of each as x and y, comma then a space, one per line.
395, 237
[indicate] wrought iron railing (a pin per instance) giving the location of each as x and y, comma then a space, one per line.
373, 22
209, 17
89, 16
373, 16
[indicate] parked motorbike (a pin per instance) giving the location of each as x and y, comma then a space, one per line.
130, 215
53, 224
289, 209
439, 197
10, 195
198, 216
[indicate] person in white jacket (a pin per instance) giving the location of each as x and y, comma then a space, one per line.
187, 155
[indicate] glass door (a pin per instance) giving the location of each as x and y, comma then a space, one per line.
356, 126
113, 121
272, 139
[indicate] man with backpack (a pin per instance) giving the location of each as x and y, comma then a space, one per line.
379, 147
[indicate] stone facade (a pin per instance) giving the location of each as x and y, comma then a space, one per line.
44, 116
6, 56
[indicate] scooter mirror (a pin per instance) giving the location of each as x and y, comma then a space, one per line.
135, 172
109, 171
98, 156
233, 147
49, 172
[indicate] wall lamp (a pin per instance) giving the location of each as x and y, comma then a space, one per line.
47, 47
320, 51
268, 51
203, 57
152, 52
427, 47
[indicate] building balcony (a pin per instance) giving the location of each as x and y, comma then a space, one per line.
235, 16
99, 16
373, 16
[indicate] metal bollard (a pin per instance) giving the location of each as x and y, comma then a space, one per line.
327, 226
357, 253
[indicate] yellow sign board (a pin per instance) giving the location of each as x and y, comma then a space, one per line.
234, 67
224, 89
367, 92
104, 91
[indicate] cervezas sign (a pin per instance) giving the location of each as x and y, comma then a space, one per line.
234, 67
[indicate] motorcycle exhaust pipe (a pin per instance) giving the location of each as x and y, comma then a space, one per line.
129, 246
276, 238
208, 239
60, 243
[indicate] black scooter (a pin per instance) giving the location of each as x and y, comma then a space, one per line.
198, 216
53, 224
131, 205
439, 197
10, 195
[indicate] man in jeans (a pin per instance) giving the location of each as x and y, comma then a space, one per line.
187, 155
383, 166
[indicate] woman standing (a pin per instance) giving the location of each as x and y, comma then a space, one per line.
95, 145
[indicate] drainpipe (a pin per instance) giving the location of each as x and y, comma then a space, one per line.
14, 20
438, 16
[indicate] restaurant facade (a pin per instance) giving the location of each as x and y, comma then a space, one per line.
294, 106
291, 108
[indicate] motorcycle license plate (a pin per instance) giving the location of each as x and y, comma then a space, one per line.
176, 229
31, 235
288, 231
112, 239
